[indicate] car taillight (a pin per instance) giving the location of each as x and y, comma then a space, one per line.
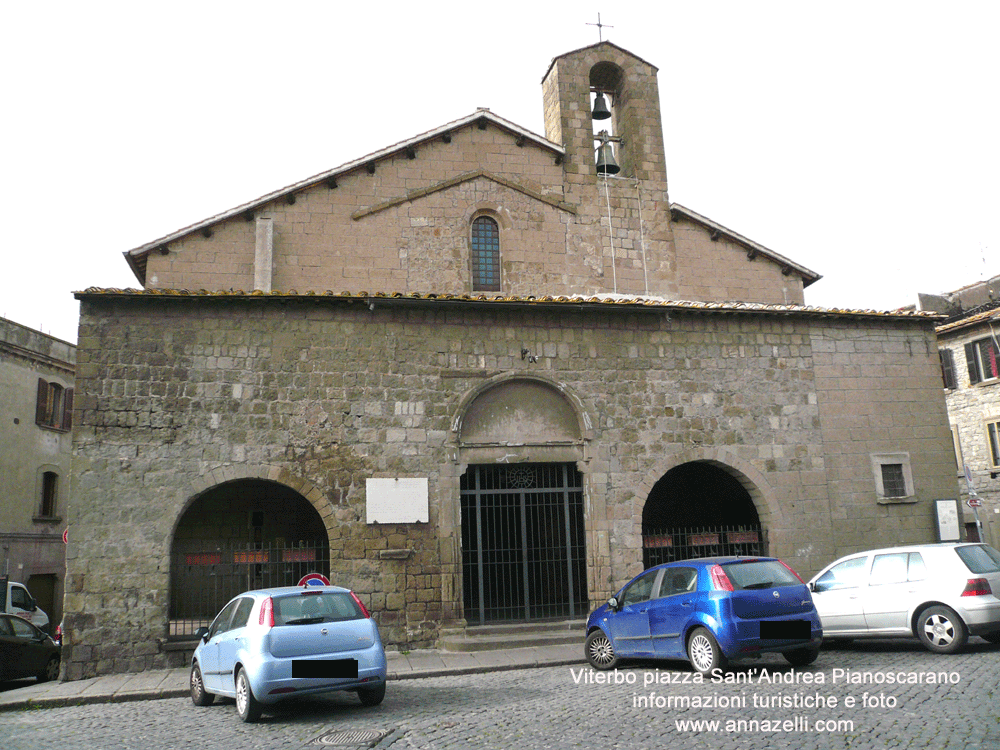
267, 613
720, 581
789, 569
363, 607
977, 587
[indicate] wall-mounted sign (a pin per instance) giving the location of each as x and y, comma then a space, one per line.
948, 529
397, 500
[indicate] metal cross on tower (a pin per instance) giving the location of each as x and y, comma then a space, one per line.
600, 26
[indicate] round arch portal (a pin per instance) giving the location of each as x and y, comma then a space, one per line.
700, 509
237, 536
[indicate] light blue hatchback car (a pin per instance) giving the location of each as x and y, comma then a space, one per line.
273, 644
710, 611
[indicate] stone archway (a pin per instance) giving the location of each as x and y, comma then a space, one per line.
521, 510
700, 509
240, 535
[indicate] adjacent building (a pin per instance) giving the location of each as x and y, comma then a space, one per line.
482, 375
969, 345
36, 408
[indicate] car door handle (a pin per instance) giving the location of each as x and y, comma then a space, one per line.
687, 603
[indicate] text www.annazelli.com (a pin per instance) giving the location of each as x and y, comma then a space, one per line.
798, 724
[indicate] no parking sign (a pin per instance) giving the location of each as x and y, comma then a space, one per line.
314, 579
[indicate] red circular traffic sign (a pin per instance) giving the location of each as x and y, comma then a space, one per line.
314, 579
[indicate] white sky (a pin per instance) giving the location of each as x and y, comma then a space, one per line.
858, 139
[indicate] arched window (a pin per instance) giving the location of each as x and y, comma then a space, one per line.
485, 255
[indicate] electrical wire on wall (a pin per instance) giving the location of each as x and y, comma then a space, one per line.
642, 236
611, 236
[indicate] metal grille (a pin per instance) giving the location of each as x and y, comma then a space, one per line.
893, 481
668, 545
204, 578
523, 549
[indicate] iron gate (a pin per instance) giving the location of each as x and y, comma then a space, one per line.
523, 549
667, 545
204, 578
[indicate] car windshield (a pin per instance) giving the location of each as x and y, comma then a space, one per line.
312, 607
980, 558
759, 574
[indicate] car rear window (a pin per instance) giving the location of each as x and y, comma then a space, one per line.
760, 574
310, 607
980, 558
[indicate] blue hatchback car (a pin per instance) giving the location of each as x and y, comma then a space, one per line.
710, 611
272, 644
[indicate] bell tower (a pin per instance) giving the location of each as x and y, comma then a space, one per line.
602, 104
627, 86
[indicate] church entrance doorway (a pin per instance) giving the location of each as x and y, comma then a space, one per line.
523, 547
700, 509
238, 536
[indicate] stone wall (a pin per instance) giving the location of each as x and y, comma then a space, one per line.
180, 393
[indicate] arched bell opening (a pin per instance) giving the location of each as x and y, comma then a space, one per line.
239, 536
700, 509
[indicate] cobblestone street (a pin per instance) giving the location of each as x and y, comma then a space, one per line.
764, 705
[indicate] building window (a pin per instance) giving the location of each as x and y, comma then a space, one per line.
50, 494
993, 436
54, 406
485, 255
893, 477
893, 483
982, 357
948, 368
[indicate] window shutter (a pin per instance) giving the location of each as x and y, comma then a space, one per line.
947, 368
67, 415
970, 358
41, 400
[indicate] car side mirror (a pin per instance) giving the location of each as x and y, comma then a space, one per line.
201, 634
613, 603
812, 586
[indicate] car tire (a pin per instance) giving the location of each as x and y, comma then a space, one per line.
600, 651
704, 652
51, 671
941, 630
372, 696
802, 657
247, 706
199, 696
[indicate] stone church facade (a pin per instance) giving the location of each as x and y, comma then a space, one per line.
478, 382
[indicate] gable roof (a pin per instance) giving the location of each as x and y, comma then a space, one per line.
136, 257
753, 248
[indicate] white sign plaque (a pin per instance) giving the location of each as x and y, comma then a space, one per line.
397, 500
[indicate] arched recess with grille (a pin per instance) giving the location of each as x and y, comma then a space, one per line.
523, 544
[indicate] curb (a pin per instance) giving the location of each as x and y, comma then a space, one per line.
69, 701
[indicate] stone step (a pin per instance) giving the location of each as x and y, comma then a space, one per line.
518, 635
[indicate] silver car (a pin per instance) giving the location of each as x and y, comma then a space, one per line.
939, 593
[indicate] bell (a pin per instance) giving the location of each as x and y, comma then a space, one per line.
601, 111
606, 163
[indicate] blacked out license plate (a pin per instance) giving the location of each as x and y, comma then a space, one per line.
306, 668
790, 630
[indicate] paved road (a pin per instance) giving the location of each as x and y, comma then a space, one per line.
564, 707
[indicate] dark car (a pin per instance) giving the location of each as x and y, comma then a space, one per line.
25, 651
709, 611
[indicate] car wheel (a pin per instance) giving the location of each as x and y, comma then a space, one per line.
372, 696
802, 657
704, 652
51, 671
600, 651
247, 706
941, 630
198, 695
